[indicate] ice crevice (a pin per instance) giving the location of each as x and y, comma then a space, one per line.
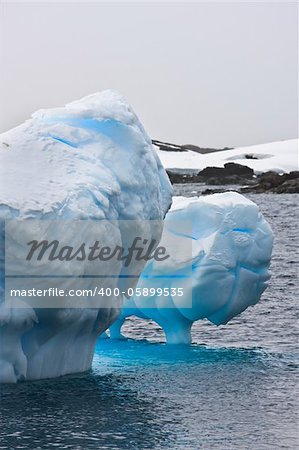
64, 141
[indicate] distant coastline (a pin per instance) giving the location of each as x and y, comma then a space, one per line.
271, 167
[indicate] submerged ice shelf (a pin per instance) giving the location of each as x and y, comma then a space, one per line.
89, 160
231, 250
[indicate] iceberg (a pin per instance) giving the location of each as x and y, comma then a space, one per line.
231, 251
89, 160
92, 162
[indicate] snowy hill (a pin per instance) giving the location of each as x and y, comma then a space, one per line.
281, 156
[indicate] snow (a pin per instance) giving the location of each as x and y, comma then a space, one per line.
231, 250
88, 160
281, 156
58, 146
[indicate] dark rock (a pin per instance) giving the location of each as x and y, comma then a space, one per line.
183, 178
237, 174
229, 170
238, 169
288, 187
270, 179
211, 172
204, 150
249, 156
231, 179
214, 181
209, 191
252, 188
212, 191
290, 176
168, 147
288, 183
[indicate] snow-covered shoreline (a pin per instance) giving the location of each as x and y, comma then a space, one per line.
280, 156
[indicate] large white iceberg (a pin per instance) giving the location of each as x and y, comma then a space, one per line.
88, 160
231, 250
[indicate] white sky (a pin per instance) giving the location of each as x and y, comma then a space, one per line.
211, 74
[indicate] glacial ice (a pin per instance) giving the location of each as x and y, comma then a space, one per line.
231, 250
91, 159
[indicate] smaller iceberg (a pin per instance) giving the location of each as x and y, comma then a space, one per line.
231, 251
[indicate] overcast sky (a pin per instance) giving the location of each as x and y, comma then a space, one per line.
211, 74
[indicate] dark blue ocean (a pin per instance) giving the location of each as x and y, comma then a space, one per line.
236, 387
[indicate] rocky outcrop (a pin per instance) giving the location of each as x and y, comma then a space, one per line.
288, 183
176, 178
229, 169
231, 173
168, 147
237, 174
203, 150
